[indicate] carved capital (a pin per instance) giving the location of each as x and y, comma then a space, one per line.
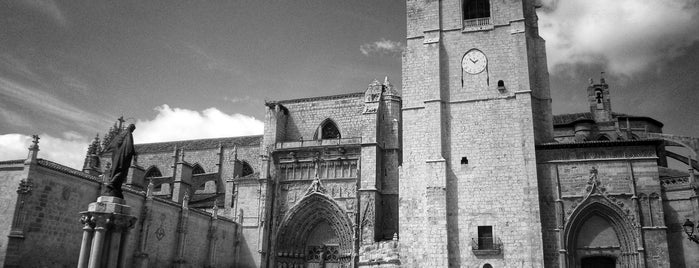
101, 220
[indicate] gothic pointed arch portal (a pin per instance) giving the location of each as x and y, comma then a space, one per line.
316, 232
599, 232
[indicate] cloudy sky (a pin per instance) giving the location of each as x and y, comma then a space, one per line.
198, 69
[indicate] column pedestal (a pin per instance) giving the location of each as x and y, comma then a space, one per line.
106, 223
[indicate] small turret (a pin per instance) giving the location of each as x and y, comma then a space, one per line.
388, 87
33, 150
598, 99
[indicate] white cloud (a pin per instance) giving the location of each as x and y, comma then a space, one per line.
68, 150
181, 124
629, 36
169, 124
382, 47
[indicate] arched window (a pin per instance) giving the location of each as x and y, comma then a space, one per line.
247, 169
474, 9
328, 130
599, 98
153, 172
197, 169
603, 138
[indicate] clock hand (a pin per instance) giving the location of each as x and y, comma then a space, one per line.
474, 61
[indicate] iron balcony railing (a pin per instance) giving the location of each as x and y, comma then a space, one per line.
486, 245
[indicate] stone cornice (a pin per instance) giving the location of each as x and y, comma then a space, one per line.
12, 162
587, 144
66, 170
320, 98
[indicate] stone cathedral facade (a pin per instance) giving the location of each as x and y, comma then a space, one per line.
465, 166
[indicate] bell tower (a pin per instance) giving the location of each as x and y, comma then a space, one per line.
475, 103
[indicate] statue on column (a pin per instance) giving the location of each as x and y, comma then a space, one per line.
123, 151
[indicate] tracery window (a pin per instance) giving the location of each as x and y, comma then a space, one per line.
328, 130
197, 169
247, 169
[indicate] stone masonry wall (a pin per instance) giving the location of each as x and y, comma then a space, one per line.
306, 115
52, 233
624, 171
450, 116
11, 173
677, 205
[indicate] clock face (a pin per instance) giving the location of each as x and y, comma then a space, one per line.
474, 62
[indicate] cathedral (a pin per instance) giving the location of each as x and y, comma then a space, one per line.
465, 166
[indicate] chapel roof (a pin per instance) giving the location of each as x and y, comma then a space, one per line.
565, 119
200, 144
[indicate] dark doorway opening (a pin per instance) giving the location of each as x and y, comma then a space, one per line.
598, 262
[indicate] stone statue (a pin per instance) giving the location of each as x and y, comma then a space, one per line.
122, 152
322, 256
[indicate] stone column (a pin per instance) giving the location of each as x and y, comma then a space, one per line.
105, 224
88, 230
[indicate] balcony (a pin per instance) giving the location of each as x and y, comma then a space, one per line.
316, 143
483, 246
477, 24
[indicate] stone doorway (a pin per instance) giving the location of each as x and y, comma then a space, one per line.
315, 233
598, 262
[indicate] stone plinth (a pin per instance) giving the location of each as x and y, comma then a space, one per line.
106, 223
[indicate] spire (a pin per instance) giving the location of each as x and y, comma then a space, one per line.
91, 158
113, 132
95, 145
388, 87
181, 157
33, 150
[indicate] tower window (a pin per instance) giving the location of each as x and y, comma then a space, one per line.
475, 9
485, 237
599, 98
464, 161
